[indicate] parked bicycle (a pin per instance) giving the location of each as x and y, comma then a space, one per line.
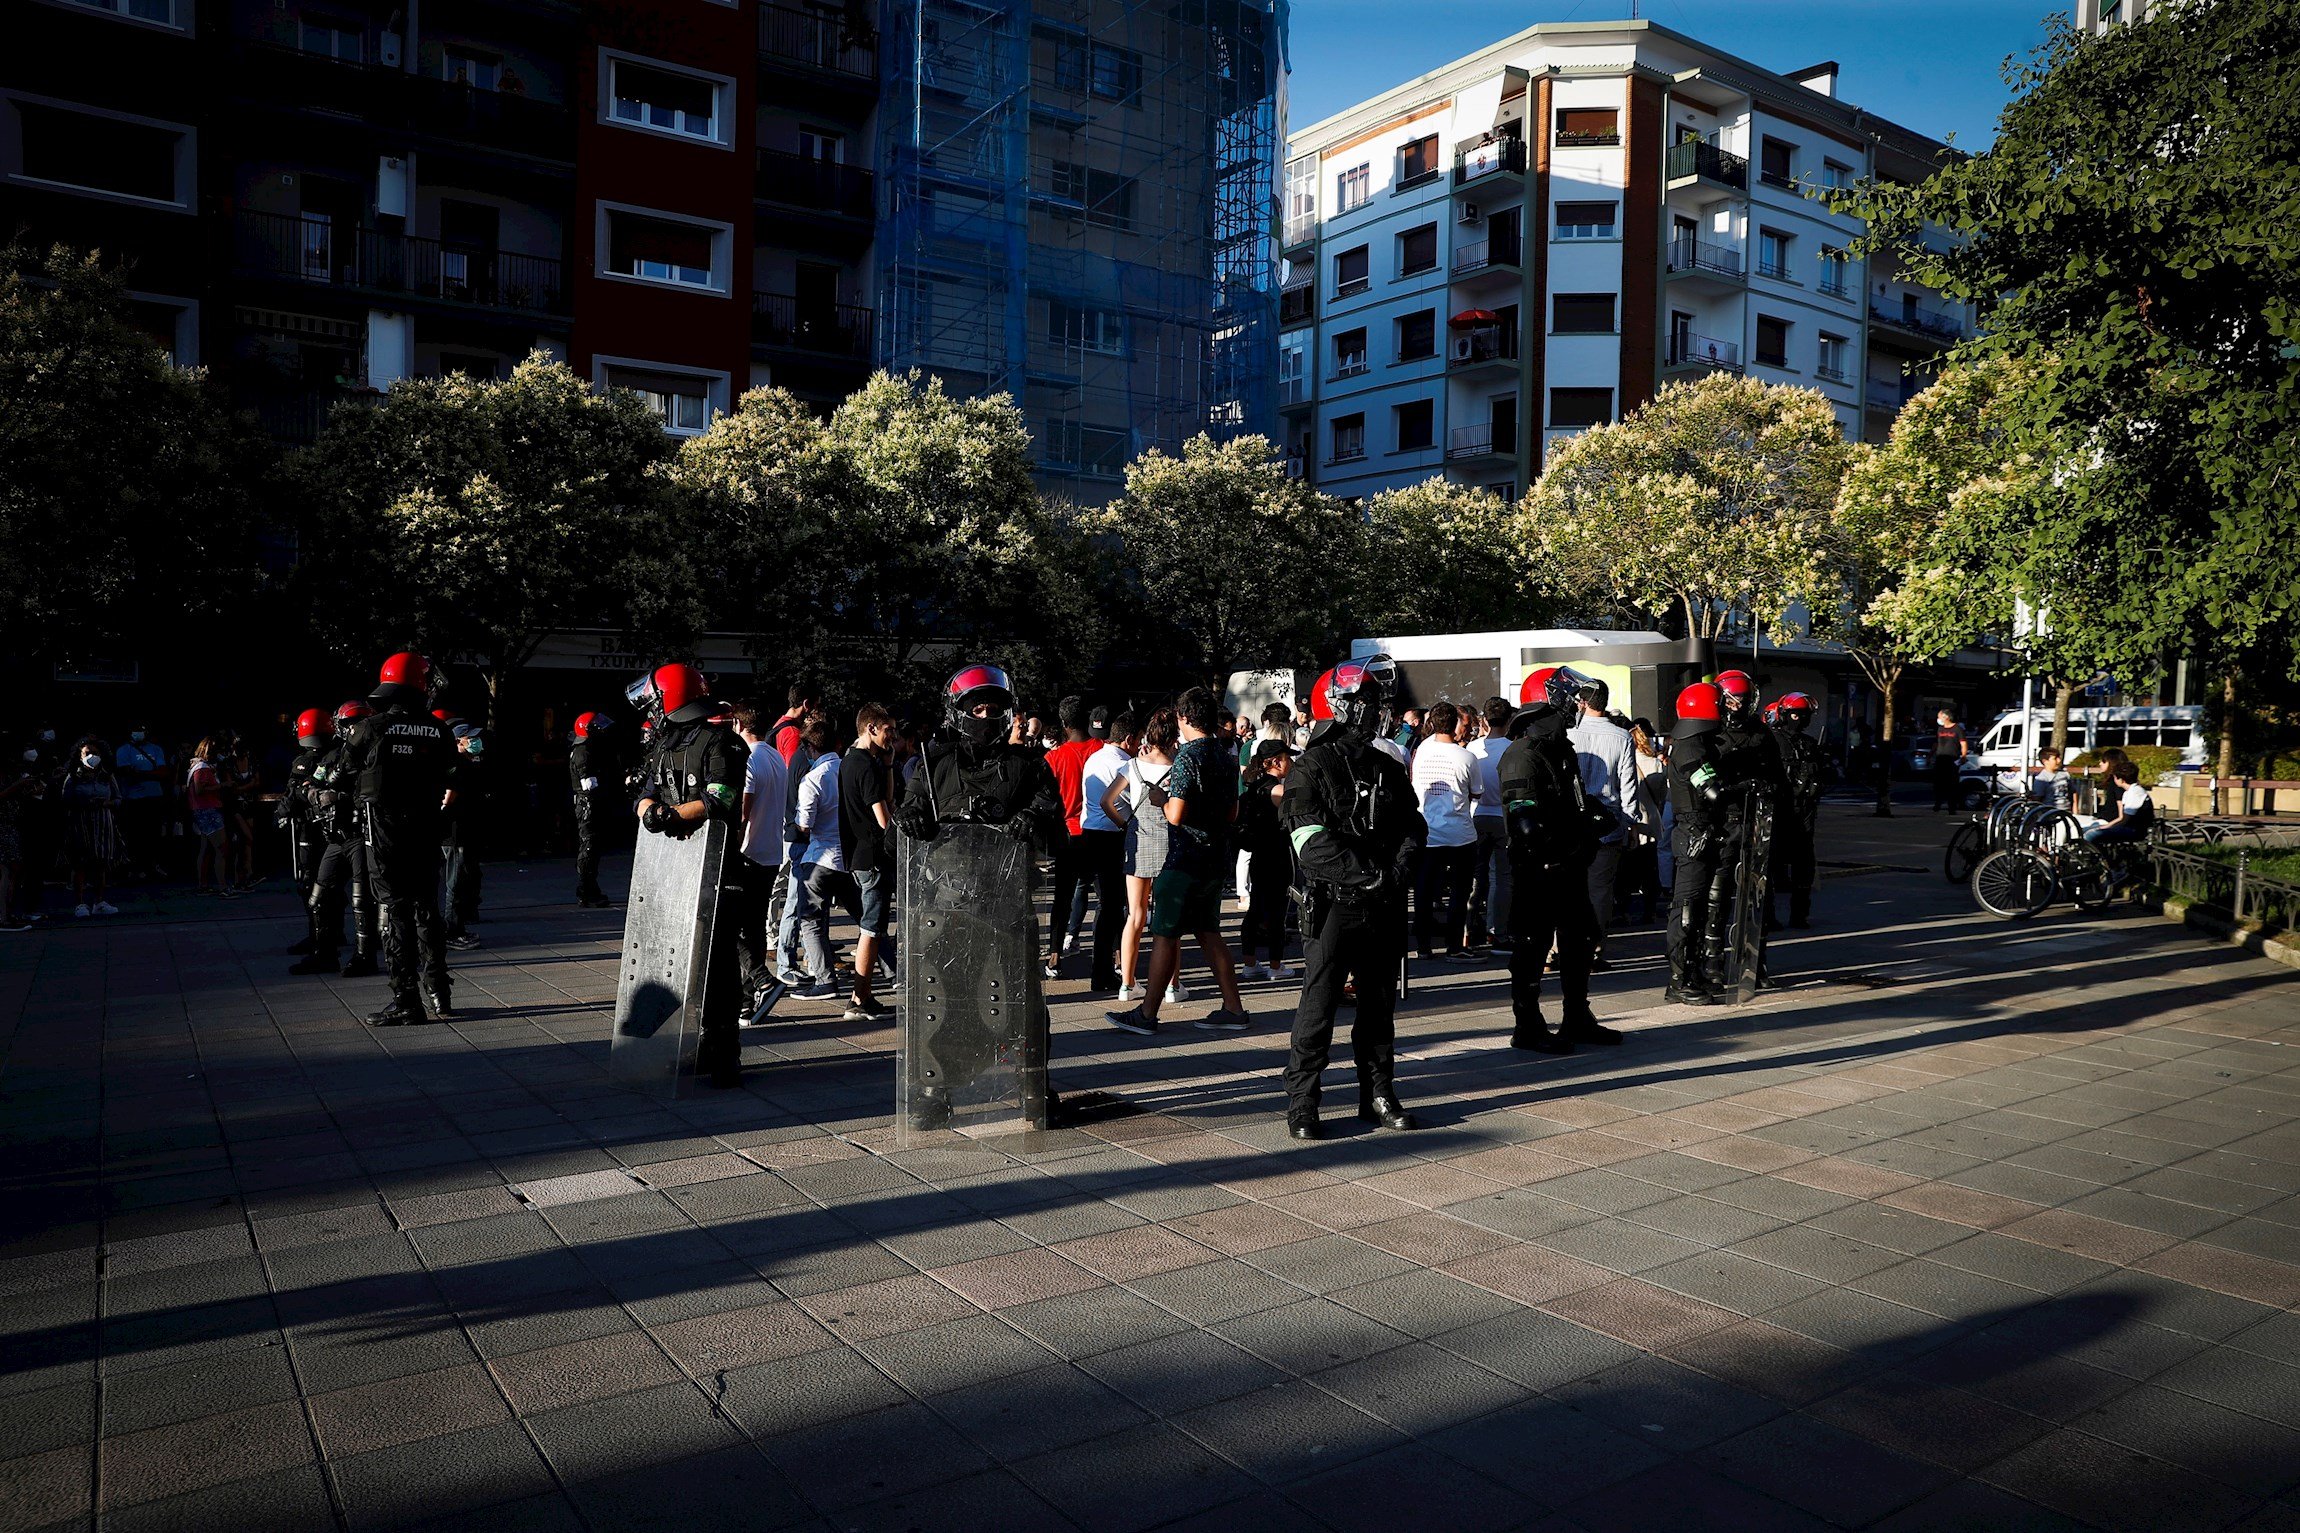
1999, 822
2048, 859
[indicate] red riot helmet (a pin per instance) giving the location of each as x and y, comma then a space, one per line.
1740, 692
355, 709
446, 715
313, 726
587, 724
1557, 685
1700, 710
974, 686
1771, 713
1354, 693
405, 676
678, 693
1795, 710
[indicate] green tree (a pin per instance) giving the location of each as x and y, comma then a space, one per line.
130, 496
471, 518
1443, 557
1245, 565
2132, 225
1708, 504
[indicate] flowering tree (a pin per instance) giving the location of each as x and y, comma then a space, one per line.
1709, 503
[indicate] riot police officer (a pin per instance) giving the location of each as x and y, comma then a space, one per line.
342, 876
314, 733
1696, 788
1749, 756
1350, 813
399, 761
591, 778
693, 773
1552, 830
1797, 817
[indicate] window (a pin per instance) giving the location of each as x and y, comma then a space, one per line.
1117, 73
685, 401
1836, 175
1772, 341
1292, 358
1570, 409
332, 37
1417, 336
161, 11
1417, 250
1588, 220
1349, 438
107, 155
1097, 452
1078, 329
646, 97
1416, 425
480, 71
1582, 314
1773, 254
1301, 199
1587, 126
1777, 163
662, 249
1832, 361
822, 147
1417, 161
1834, 265
1350, 272
1350, 353
1107, 196
1351, 188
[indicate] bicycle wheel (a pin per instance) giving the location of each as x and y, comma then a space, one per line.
2086, 874
1963, 851
2012, 883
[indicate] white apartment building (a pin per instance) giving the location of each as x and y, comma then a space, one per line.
2099, 15
1530, 240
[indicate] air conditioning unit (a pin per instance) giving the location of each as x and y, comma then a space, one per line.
387, 51
1464, 349
1471, 213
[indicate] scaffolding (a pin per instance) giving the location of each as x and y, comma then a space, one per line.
1082, 214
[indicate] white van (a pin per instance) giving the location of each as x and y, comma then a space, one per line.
2009, 744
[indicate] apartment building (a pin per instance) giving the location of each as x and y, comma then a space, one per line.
2099, 15
316, 197
1529, 241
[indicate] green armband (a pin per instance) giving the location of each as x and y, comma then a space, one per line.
1302, 834
718, 793
1704, 775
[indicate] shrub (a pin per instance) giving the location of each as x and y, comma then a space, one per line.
2156, 762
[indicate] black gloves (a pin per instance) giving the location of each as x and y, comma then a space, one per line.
914, 822
1021, 828
662, 819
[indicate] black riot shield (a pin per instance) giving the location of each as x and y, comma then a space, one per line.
1752, 888
974, 1023
669, 924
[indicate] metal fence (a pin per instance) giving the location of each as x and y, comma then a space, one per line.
2227, 884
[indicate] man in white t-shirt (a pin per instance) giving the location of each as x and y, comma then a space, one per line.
1489, 893
761, 852
1445, 779
1608, 759
1105, 843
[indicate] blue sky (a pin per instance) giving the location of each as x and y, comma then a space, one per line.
1932, 65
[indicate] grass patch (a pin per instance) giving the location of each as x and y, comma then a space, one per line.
2280, 864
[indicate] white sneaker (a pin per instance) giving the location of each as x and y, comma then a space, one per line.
1134, 992
81, 911
1176, 993
1284, 971
1051, 969
106, 908
1253, 971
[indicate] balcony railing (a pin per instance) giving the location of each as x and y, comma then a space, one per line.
293, 413
1928, 322
1887, 399
817, 38
1486, 343
1475, 159
1602, 138
1485, 254
1298, 304
496, 118
1687, 254
1686, 349
1829, 374
1698, 158
1351, 287
827, 329
1475, 442
826, 186
284, 246
1354, 366
1786, 180
1352, 453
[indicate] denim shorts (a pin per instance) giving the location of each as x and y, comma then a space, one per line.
207, 822
870, 885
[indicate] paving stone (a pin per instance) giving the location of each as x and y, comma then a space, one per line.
1409, 1483
1093, 1321
1286, 1431
393, 1487
628, 1432
1548, 1453
284, 1501
402, 1410
866, 1458
2114, 1488
954, 1354
1845, 1479
202, 1452
1179, 1372
1212, 1292
1033, 1412
1140, 1478
769, 1399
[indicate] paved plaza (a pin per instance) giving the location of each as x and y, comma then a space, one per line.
1975, 1226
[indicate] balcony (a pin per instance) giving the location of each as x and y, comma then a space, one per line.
293, 413
1587, 140
1354, 452
817, 41
1466, 443
1935, 327
1887, 399
820, 186
1481, 347
1301, 232
823, 329
1830, 374
1487, 256
1297, 303
1703, 353
1696, 160
496, 119
1481, 159
284, 247
1704, 261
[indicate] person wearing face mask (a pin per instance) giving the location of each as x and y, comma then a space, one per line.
90, 794
459, 846
141, 765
